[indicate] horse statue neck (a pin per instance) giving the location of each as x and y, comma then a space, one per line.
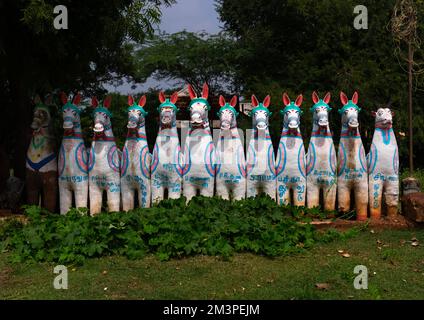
347, 132
75, 133
384, 136
107, 134
138, 133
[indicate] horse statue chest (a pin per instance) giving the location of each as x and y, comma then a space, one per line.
352, 162
104, 164
41, 155
383, 157
73, 161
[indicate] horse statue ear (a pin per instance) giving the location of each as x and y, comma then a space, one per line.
77, 99
267, 101
299, 100
142, 101
373, 114
286, 99
162, 98
63, 97
221, 101
355, 98
255, 101
174, 97
107, 101
205, 91
315, 97
233, 102
37, 99
130, 100
191, 92
327, 98
48, 101
343, 98
94, 102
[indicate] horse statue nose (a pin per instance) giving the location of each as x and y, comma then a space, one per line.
293, 124
68, 125
225, 125
323, 122
131, 125
98, 127
196, 118
261, 125
353, 123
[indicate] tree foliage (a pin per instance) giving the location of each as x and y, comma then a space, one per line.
36, 58
303, 45
189, 57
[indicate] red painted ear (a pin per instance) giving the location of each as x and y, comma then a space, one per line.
162, 98
174, 97
193, 94
286, 99
343, 98
130, 100
63, 98
355, 98
221, 101
233, 101
393, 113
299, 100
315, 97
142, 101
373, 113
94, 102
255, 101
267, 101
107, 101
205, 91
77, 99
327, 98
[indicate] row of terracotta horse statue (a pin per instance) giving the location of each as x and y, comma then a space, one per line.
223, 168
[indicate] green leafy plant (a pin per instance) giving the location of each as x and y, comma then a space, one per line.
209, 226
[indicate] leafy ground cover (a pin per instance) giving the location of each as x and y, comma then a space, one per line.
395, 268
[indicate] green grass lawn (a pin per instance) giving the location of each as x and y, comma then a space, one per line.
396, 271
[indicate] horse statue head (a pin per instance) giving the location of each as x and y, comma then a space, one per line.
102, 116
41, 118
199, 108
227, 113
383, 118
167, 110
136, 113
320, 110
70, 112
349, 112
291, 113
260, 113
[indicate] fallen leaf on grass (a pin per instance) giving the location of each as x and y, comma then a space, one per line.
104, 272
322, 286
415, 243
346, 255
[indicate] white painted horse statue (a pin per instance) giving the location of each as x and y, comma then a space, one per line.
321, 160
167, 160
231, 163
290, 162
73, 158
260, 153
383, 166
41, 161
199, 151
136, 158
352, 165
104, 161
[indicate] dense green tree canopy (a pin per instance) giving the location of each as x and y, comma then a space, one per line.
188, 57
304, 45
35, 57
